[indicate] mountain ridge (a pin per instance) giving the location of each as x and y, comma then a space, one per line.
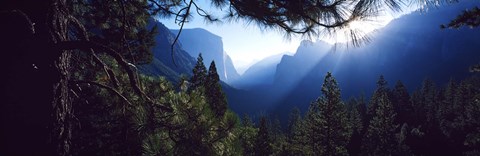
394, 52
198, 40
162, 63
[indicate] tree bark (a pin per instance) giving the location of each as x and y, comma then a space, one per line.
62, 103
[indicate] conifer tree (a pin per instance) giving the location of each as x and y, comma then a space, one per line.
381, 89
295, 135
401, 103
463, 109
329, 128
356, 122
310, 129
335, 129
277, 137
248, 136
263, 143
380, 136
445, 112
246, 121
472, 138
362, 110
429, 102
199, 74
293, 121
213, 91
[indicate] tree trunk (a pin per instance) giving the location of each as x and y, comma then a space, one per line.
62, 102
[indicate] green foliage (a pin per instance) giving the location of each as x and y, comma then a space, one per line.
192, 128
213, 91
263, 142
199, 74
121, 25
401, 104
111, 126
278, 138
295, 133
470, 18
382, 88
380, 136
356, 121
247, 136
329, 128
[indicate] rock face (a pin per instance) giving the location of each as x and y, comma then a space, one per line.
198, 40
163, 63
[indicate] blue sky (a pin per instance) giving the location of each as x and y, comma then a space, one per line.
247, 43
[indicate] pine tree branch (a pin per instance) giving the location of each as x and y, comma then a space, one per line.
83, 32
87, 45
24, 16
105, 87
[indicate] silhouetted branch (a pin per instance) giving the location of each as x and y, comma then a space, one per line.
105, 87
83, 32
165, 8
475, 68
470, 18
182, 22
24, 16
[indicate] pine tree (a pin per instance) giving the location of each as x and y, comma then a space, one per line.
248, 135
263, 143
463, 108
401, 104
380, 136
356, 122
311, 127
246, 121
193, 128
295, 135
429, 102
381, 89
468, 18
362, 110
472, 138
331, 130
277, 137
199, 75
293, 121
336, 129
213, 90
445, 112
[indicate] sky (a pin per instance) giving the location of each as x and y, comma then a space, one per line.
247, 44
